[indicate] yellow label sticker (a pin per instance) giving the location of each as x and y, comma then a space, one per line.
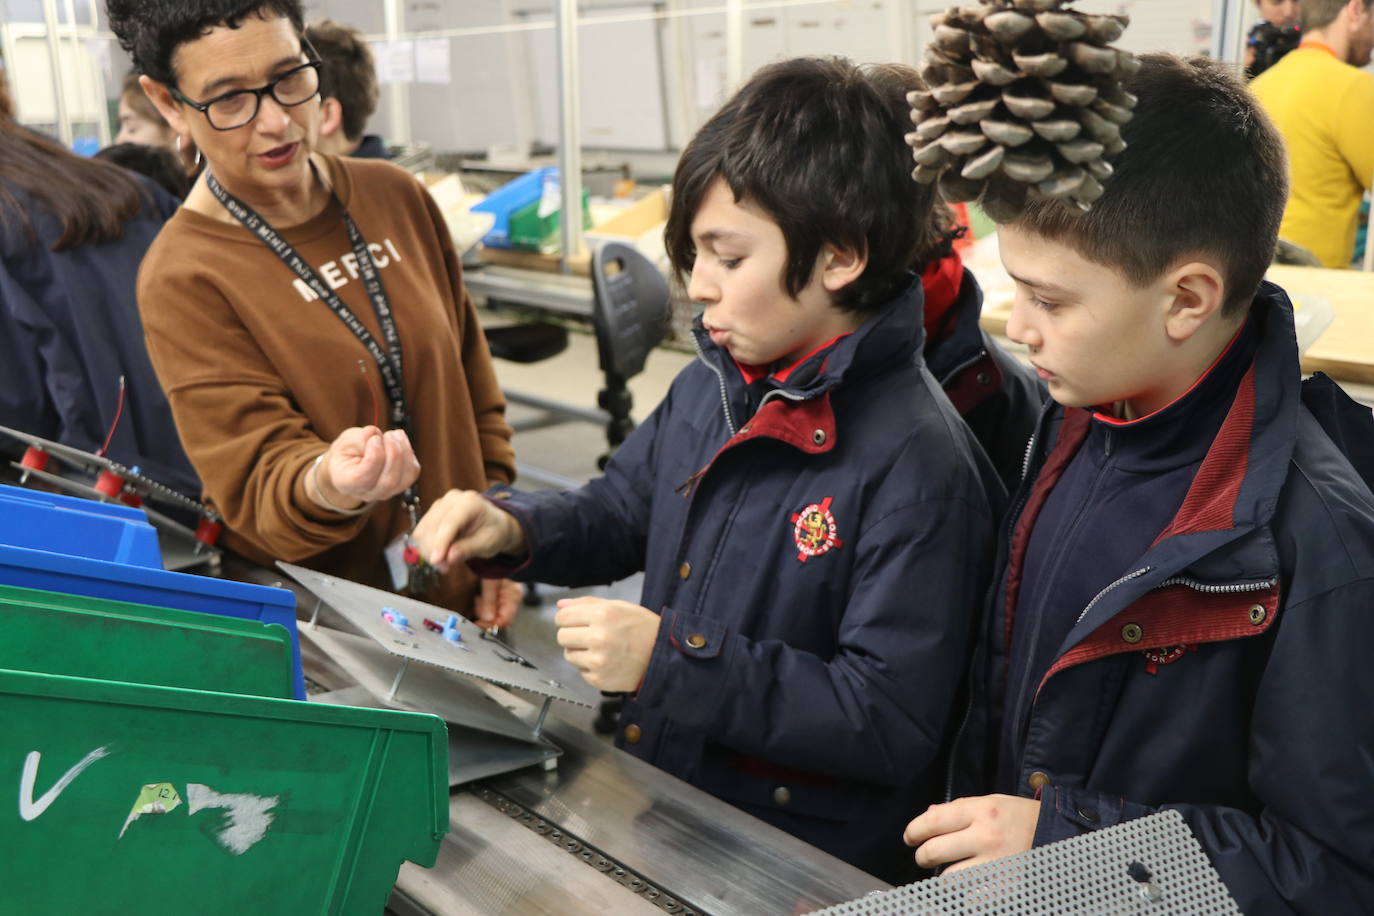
153, 798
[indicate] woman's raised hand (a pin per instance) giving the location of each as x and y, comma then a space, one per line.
365, 465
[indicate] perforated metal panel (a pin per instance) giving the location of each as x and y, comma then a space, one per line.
1150, 866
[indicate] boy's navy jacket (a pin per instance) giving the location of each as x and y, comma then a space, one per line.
1226, 674
69, 328
818, 550
998, 396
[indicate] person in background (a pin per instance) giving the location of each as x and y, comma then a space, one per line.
73, 365
139, 120
348, 87
156, 162
326, 367
1323, 105
1273, 36
998, 396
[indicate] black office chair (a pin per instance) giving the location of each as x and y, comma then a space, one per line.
527, 343
631, 311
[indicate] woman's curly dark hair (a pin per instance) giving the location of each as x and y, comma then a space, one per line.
152, 30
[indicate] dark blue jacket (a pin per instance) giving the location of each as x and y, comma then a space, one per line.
998, 396
1226, 673
803, 672
69, 328
371, 147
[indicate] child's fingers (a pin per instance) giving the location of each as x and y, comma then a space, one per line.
576, 637
936, 821
577, 612
950, 847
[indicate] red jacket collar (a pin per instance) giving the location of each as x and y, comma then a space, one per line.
752, 374
941, 281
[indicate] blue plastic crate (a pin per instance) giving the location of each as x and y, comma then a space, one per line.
505, 200
80, 527
56, 572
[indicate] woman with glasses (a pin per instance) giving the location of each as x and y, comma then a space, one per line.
306, 314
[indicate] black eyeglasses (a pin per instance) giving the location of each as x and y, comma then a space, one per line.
235, 109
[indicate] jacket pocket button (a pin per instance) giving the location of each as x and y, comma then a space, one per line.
1038, 780
818, 437
1257, 614
684, 570
1132, 633
782, 796
632, 734
696, 641
1090, 815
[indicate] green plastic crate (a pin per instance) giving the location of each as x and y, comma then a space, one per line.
75, 635
275, 806
533, 232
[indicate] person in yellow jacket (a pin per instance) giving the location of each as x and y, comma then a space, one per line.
1323, 104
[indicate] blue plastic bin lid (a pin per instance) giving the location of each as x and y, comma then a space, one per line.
80, 527
505, 200
117, 510
75, 575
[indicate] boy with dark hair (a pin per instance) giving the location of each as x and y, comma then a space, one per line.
1186, 607
348, 91
812, 517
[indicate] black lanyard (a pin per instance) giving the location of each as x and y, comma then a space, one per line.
388, 360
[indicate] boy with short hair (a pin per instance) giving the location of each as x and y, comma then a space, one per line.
348, 91
1186, 609
812, 517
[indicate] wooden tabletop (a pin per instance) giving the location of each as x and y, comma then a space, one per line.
1344, 351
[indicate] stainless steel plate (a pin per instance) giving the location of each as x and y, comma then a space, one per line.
475, 655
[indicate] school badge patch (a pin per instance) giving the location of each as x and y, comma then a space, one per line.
813, 528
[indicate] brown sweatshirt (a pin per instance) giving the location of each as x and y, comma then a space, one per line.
262, 376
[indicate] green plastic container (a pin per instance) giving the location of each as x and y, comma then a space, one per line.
272, 806
75, 635
533, 232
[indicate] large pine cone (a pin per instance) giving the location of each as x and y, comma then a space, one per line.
1024, 99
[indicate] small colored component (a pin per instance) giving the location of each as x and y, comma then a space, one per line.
208, 530
433, 626
451, 631
411, 555
35, 458
396, 619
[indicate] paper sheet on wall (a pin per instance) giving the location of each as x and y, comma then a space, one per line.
710, 84
432, 60
395, 61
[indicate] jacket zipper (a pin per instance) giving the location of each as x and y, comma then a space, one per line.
1102, 594
1233, 589
1026, 461
720, 378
